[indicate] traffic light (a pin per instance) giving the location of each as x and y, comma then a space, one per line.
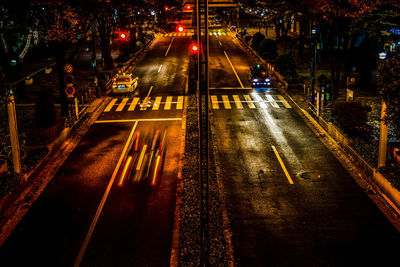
166, 8
188, 7
194, 48
123, 35
180, 28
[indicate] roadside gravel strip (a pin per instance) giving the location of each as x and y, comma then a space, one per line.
190, 232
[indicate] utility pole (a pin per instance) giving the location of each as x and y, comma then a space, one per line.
383, 137
314, 34
12, 122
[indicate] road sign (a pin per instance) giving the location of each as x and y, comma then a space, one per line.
70, 91
68, 68
69, 80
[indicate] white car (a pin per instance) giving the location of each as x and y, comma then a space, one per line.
124, 83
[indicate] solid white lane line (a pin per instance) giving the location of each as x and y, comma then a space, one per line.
179, 105
225, 100
282, 165
249, 101
168, 102
157, 102
103, 200
133, 104
133, 120
159, 69
122, 104
272, 101
214, 101
260, 101
110, 105
166, 53
284, 102
241, 85
238, 102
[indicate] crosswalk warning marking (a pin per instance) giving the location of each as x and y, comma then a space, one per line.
214, 102
179, 105
272, 101
284, 102
225, 100
210, 33
237, 102
157, 102
122, 104
133, 104
249, 101
146, 100
110, 105
179, 34
168, 102
224, 33
215, 33
260, 101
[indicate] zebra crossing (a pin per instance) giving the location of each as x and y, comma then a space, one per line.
245, 101
176, 34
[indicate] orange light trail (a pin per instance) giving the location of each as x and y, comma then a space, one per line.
137, 141
153, 182
128, 162
141, 157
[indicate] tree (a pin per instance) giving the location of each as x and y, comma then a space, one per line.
256, 40
389, 88
268, 49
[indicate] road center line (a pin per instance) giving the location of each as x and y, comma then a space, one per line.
103, 200
134, 120
283, 166
241, 85
159, 69
166, 53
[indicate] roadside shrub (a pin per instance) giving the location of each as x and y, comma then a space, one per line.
351, 115
257, 39
268, 49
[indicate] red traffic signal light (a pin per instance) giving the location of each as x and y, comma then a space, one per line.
194, 48
188, 7
180, 28
166, 8
123, 36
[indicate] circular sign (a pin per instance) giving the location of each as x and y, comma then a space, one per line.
352, 80
68, 68
68, 79
69, 90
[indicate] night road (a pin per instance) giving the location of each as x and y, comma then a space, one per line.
289, 200
83, 216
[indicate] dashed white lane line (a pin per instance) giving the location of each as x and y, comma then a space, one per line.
159, 69
237, 76
166, 53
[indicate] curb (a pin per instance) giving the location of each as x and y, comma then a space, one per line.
20, 201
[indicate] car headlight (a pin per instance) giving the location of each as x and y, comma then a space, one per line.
267, 79
114, 85
129, 85
255, 80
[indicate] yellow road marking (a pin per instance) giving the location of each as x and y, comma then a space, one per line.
225, 100
133, 120
272, 101
284, 102
122, 104
241, 85
133, 104
179, 105
110, 105
166, 53
249, 101
103, 200
220, 43
237, 102
168, 102
214, 101
146, 99
159, 69
282, 165
157, 102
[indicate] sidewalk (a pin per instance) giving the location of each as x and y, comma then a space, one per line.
13, 206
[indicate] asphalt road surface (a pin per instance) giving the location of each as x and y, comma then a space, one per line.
82, 217
289, 200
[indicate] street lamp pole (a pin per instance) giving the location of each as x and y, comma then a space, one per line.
383, 137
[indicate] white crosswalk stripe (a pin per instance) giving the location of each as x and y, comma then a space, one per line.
272, 101
253, 101
122, 104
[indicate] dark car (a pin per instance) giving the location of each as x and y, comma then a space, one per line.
259, 76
